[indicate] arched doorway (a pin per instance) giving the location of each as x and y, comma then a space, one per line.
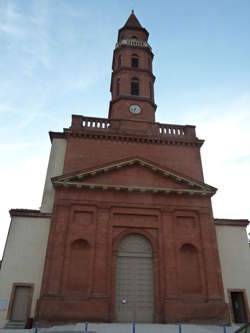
134, 294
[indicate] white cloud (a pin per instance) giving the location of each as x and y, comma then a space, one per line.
21, 187
226, 156
26, 35
10, 20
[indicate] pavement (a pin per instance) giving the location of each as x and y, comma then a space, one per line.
127, 328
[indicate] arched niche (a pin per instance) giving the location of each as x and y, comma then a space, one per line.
189, 274
79, 266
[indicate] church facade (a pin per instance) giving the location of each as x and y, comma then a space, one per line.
126, 225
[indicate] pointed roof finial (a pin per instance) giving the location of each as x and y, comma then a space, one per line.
132, 21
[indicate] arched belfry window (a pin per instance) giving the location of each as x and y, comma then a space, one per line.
134, 37
119, 61
134, 86
134, 61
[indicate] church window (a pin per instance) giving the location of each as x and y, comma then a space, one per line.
118, 87
134, 61
134, 86
134, 37
119, 61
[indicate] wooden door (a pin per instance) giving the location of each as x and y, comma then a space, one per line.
21, 304
134, 299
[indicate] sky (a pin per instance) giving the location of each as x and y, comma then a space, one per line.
55, 60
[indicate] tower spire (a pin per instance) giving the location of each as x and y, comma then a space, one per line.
132, 21
132, 82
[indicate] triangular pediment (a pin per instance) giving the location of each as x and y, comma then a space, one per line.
134, 174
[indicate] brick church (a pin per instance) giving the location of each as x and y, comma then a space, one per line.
127, 231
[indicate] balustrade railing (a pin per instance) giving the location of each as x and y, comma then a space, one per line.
96, 123
133, 42
117, 125
173, 130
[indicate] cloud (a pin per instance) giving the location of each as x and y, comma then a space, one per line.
225, 156
10, 20
26, 34
21, 187
17, 147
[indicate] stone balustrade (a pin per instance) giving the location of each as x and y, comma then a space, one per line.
133, 42
176, 130
112, 126
96, 123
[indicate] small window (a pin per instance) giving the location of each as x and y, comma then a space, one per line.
134, 86
134, 61
118, 87
134, 37
119, 61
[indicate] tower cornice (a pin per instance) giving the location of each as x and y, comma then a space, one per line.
129, 69
132, 98
124, 46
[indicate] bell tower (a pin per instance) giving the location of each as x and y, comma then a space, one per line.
132, 81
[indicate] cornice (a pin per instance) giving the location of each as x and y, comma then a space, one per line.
21, 212
134, 47
84, 179
232, 222
132, 69
118, 188
130, 97
134, 138
56, 135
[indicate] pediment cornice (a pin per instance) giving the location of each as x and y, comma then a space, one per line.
85, 179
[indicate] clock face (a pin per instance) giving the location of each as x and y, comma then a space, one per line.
135, 109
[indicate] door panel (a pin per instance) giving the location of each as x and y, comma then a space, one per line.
238, 307
21, 303
134, 299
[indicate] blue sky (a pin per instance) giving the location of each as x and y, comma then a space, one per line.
56, 61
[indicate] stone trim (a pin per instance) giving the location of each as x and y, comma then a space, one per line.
138, 139
131, 189
20, 212
232, 222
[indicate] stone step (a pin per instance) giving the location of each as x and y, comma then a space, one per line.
15, 325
